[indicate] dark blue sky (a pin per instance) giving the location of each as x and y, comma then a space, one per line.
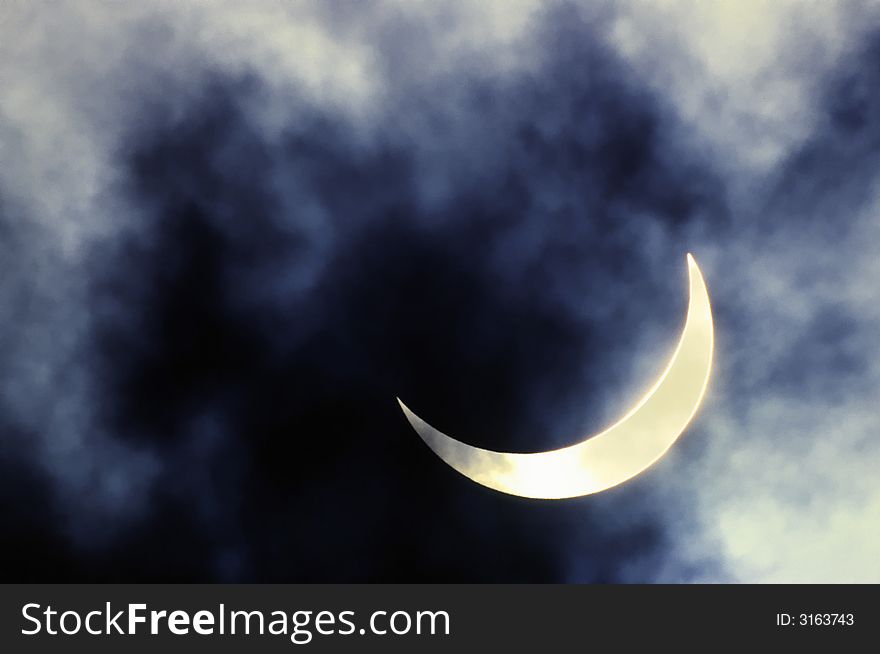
230, 238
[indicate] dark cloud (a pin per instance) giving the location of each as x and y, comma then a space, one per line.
272, 295
832, 170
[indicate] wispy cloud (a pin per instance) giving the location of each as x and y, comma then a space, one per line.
224, 223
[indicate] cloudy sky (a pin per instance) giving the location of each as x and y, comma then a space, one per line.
231, 233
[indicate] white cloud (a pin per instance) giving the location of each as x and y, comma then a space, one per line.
781, 488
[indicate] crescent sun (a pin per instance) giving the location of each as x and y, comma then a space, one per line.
629, 446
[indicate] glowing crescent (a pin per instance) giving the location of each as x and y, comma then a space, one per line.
615, 455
